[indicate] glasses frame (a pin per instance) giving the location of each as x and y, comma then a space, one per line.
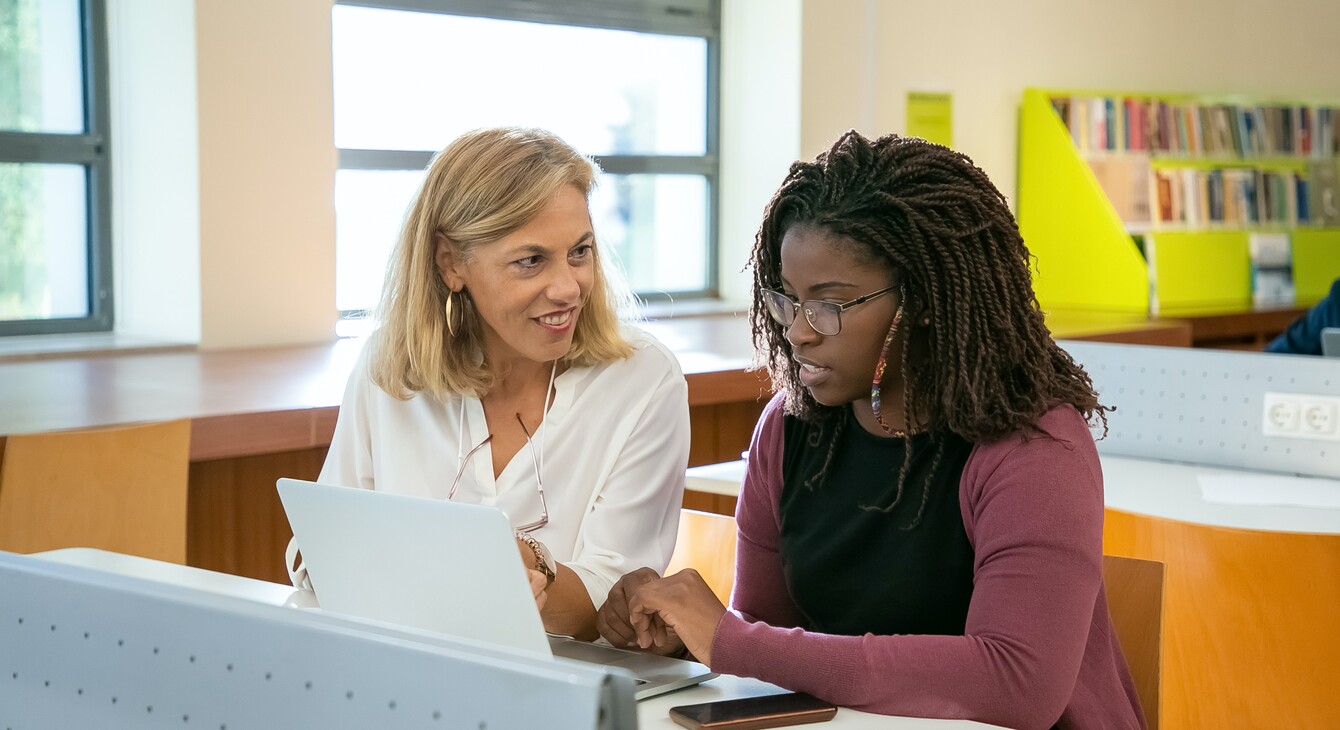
539, 483
810, 305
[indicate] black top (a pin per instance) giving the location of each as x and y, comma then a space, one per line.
853, 571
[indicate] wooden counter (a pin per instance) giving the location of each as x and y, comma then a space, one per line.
261, 414
1127, 329
263, 401
1234, 328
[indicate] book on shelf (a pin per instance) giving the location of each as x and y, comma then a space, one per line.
1272, 268
1240, 197
1131, 144
1190, 128
1125, 180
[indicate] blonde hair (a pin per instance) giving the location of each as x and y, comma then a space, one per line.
483, 186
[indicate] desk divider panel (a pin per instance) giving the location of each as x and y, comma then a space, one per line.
1206, 406
85, 648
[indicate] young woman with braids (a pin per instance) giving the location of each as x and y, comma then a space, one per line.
920, 525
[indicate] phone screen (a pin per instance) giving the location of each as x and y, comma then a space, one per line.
793, 708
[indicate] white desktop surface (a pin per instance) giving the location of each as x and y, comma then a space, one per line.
1172, 491
655, 712
724, 479
651, 713
1142, 486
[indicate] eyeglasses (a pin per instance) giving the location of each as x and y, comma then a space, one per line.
824, 317
539, 484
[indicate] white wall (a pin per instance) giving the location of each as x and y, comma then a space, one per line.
760, 124
155, 169
267, 172
986, 53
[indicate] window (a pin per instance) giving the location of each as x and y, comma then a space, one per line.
55, 250
632, 83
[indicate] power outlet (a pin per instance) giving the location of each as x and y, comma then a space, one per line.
1280, 417
1295, 415
1318, 417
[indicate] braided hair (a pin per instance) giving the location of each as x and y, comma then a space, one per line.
987, 367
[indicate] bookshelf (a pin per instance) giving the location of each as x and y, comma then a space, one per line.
1134, 202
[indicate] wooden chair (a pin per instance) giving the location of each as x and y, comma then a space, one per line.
119, 489
706, 543
1135, 602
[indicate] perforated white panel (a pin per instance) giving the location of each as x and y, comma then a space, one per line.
1205, 406
85, 649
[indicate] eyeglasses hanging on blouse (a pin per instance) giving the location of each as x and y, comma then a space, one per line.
534, 457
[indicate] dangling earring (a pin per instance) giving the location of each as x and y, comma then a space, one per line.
451, 321
879, 376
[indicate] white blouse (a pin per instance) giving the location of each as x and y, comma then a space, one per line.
615, 444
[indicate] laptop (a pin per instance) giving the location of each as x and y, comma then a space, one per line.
1330, 342
370, 554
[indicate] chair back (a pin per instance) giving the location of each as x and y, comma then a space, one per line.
119, 489
1135, 603
706, 543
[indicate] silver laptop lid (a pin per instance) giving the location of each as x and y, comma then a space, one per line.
426, 563
445, 567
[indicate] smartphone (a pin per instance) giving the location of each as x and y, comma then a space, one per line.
751, 713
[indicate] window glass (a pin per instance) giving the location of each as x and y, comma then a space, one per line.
657, 226
416, 81
44, 227
370, 206
654, 226
41, 66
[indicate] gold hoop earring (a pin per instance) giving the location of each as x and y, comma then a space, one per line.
447, 310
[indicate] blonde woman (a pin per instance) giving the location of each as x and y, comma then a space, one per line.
502, 375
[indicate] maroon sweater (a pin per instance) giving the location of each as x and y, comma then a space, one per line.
1038, 649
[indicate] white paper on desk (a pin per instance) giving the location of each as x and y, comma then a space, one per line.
1259, 490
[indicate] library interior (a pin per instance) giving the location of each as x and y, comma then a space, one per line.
202, 202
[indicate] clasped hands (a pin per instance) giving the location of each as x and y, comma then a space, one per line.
662, 615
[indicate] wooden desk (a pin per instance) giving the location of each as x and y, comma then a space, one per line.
1129, 329
261, 414
247, 402
1234, 328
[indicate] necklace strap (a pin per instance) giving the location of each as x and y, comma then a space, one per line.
544, 419
544, 415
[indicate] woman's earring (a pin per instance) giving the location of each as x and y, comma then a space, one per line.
447, 309
925, 321
878, 380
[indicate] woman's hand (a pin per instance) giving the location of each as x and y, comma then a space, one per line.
613, 622
682, 605
538, 587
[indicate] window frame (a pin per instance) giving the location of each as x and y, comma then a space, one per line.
90, 149
693, 18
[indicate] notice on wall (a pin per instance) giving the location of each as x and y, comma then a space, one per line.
930, 116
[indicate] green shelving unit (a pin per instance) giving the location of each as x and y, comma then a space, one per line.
1088, 258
